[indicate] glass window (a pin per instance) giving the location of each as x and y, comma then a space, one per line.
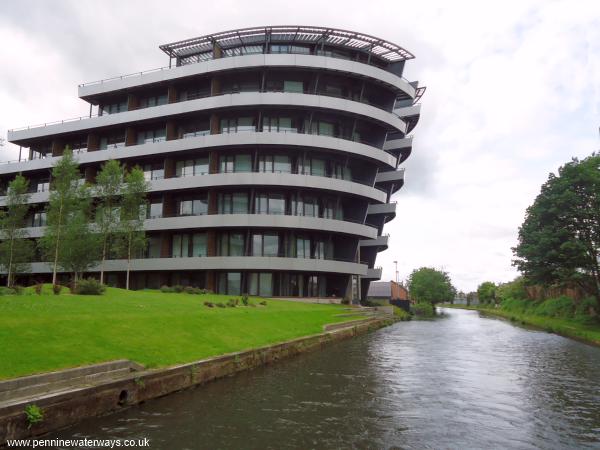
153, 247
240, 203
114, 140
265, 284
234, 283
231, 244
243, 163
236, 203
293, 86
317, 167
149, 136
236, 244
302, 247
270, 245
199, 244
282, 163
154, 210
201, 166
245, 124
153, 171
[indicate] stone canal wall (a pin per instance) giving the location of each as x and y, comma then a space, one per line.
68, 406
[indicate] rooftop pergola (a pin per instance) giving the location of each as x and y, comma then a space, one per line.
301, 35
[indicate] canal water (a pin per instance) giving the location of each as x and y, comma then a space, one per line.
458, 382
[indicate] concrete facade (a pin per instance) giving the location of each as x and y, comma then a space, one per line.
272, 155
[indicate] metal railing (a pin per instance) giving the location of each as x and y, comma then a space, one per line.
230, 92
160, 69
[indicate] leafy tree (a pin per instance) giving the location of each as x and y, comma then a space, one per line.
108, 185
133, 207
67, 199
16, 252
559, 241
428, 285
471, 297
486, 292
80, 245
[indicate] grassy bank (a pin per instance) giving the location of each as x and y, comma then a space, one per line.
40, 333
575, 328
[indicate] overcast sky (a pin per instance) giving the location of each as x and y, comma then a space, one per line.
513, 91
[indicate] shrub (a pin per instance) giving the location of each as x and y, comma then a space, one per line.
587, 308
513, 289
38, 288
56, 288
556, 307
400, 314
345, 301
18, 290
191, 290
516, 305
263, 303
220, 305
178, 288
245, 299
209, 304
423, 310
205, 291
6, 291
90, 286
167, 289
232, 302
33, 414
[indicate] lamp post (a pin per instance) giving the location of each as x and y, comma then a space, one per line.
396, 263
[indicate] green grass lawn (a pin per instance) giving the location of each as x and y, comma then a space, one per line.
564, 326
40, 333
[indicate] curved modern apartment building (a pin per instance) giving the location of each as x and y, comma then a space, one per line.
272, 153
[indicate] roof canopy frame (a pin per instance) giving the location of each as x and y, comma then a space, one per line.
336, 37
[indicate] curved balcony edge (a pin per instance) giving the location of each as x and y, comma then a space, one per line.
245, 62
259, 138
247, 221
224, 101
225, 263
250, 179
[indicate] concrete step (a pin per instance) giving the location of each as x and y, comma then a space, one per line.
35, 386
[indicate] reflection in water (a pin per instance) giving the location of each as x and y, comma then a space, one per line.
457, 382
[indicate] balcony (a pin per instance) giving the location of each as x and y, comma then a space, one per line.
380, 242
373, 274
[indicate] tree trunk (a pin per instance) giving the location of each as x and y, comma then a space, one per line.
8, 283
57, 242
102, 263
128, 261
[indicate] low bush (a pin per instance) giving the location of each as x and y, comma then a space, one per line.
220, 305
245, 299
556, 307
586, 310
205, 291
423, 310
33, 415
400, 314
166, 289
18, 290
38, 288
232, 302
263, 303
517, 305
89, 286
6, 291
191, 290
209, 304
178, 288
56, 288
